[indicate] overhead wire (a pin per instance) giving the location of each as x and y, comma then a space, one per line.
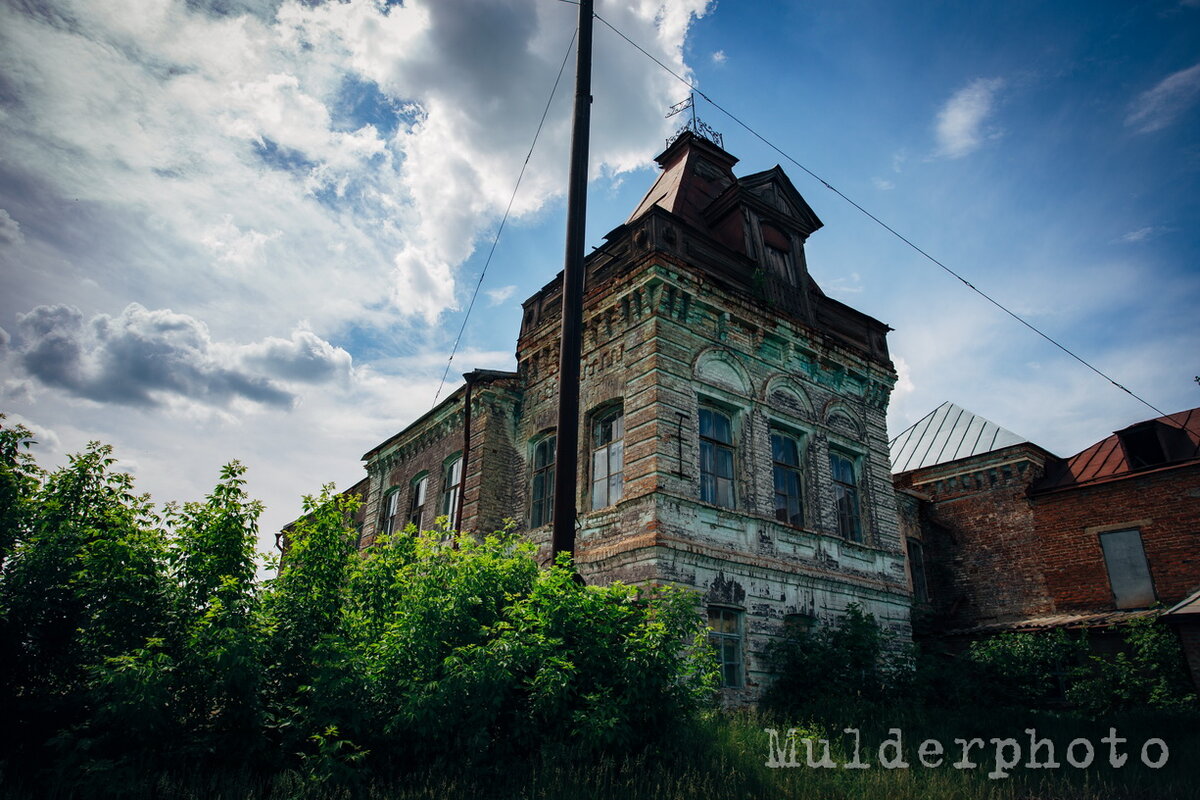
503, 219
693, 87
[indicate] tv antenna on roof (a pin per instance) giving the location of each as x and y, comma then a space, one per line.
695, 124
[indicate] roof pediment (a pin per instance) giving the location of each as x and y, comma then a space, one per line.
774, 191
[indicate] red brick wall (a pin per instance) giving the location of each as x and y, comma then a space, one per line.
1164, 505
983, 558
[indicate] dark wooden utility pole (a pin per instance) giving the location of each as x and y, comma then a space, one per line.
567, 453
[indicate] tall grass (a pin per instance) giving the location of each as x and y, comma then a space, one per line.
724, 754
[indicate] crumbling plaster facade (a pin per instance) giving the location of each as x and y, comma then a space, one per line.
700, 304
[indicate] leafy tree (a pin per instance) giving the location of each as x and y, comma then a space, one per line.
136, 646
837, 670
86, 583
218, 625
303, 607
20, 478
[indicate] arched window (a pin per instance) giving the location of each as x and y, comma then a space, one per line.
716, 457
416, 499
845, 495
541, 483
608, 457
391, 511
788, 478
451, 486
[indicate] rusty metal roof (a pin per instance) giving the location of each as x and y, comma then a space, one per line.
1173, 439
945, 434
686, 187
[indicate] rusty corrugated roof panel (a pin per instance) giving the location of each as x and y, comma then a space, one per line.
946, 434
1175, 439
1189, 607
1088, 619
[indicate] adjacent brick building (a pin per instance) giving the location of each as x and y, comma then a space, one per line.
733, 420
1003, 535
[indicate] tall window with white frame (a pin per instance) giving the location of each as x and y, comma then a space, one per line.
845, 496
416, 500
541, 483
451, 486
391, 511
716, 457
608, 458
788, 477
725, 636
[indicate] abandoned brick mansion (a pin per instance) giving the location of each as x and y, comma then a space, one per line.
732, 420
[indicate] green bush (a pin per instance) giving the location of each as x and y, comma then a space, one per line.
838, 671
1025, 669
137, 645
1149, 673
451, 647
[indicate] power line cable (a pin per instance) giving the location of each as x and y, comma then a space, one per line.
507, 210
880, 222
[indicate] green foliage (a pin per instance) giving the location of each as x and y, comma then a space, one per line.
20, 478
142, 654
1149, 673
837, 671
218, 635
1024, 668
84, 583
303, 607
453, 647
137, 646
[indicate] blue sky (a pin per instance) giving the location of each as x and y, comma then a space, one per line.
249, 230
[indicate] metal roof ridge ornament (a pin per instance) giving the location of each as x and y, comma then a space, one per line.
696, 125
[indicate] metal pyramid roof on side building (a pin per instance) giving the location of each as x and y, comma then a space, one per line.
948, 433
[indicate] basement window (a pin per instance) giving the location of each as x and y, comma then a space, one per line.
725, 636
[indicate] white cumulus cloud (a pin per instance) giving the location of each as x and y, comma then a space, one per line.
962, 123
254, 152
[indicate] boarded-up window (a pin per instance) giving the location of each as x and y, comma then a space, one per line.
1128, 572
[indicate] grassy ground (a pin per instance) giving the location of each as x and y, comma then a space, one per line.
725, 757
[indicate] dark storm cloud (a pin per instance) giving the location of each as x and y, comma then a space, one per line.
138, 358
